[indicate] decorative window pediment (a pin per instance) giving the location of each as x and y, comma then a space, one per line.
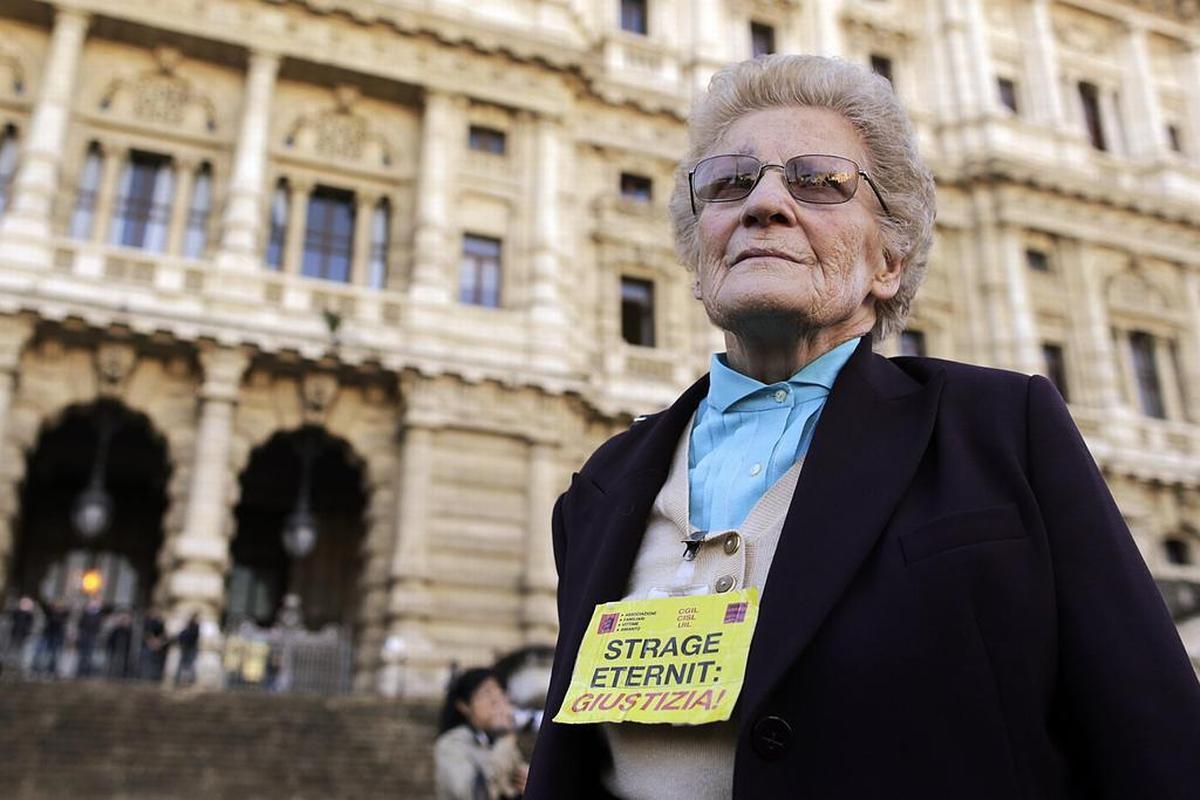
1133, 292
161, 97
340, 133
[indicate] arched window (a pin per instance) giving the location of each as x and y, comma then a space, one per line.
195, 237
83, 215
8, 164
377, 263
143, 208
280, 207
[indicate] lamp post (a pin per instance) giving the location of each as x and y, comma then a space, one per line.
92, 511
300, 529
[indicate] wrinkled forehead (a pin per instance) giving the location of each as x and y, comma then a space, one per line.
776, 134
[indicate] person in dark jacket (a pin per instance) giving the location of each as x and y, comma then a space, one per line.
87, 631
950, 605
50, 643
188, 641
117, 644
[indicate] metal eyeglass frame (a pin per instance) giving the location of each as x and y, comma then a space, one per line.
862, 173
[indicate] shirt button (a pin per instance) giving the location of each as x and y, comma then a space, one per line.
780, 395
732, 543
724, 583
757, 468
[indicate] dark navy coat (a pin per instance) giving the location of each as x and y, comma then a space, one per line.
955, 609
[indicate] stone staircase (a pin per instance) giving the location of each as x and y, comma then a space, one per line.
137, 742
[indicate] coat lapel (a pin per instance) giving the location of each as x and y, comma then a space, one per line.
873, 431
612, 544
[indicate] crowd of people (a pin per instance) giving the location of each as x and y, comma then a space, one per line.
105, 642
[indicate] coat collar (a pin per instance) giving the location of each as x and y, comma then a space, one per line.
873, 431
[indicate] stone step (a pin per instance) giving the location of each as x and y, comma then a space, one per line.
136, 742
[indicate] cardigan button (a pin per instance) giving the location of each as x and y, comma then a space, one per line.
732, 543
724, 583
771, 737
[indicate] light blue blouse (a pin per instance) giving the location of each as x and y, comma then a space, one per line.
747, 434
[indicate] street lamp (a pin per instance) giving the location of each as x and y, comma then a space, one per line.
92, 511
300, 530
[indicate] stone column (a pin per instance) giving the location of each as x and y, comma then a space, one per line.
1190, 74
293, 243
1168, 380
826, 26
106, 196
539, 613
1099, 359
200, 552
419, 672
241, 224
545, 301
1144, 126
181, 203
36, 181
982, 74
441, 141
1024, 348
1043, 77
1189, 348
15, 333
364, 210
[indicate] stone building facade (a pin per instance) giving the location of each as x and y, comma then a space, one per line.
429, 239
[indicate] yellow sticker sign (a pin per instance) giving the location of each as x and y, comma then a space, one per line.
673, 659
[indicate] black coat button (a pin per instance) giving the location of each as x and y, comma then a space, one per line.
771, 737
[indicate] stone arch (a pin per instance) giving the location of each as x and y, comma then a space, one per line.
55, 374
58, 468
367, 418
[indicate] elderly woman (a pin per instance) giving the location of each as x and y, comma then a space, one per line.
951, 604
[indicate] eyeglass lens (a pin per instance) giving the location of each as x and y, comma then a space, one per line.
809, 178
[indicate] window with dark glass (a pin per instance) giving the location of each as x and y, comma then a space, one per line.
479, 271
1038, 260
82, 215
634, 16
762, 39
143, 208
277, 234
1178, 551
1145, 372
487, 140
882, 65
1174, 138
329, 235
637, 311
381, 219
195, 236
1056, 367
1008, 93
8, 163
636, 187
912, 343
1089, 98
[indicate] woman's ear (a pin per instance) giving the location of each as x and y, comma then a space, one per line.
463, 708
886, 280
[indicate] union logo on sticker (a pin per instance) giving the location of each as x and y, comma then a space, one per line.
735, 612
608, 623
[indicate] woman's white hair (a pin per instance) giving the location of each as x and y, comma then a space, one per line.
868, 102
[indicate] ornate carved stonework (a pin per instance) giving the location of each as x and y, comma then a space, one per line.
161, 97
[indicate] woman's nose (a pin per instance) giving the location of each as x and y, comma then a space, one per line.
769, 202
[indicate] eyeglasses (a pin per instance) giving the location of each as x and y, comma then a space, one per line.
821, 179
